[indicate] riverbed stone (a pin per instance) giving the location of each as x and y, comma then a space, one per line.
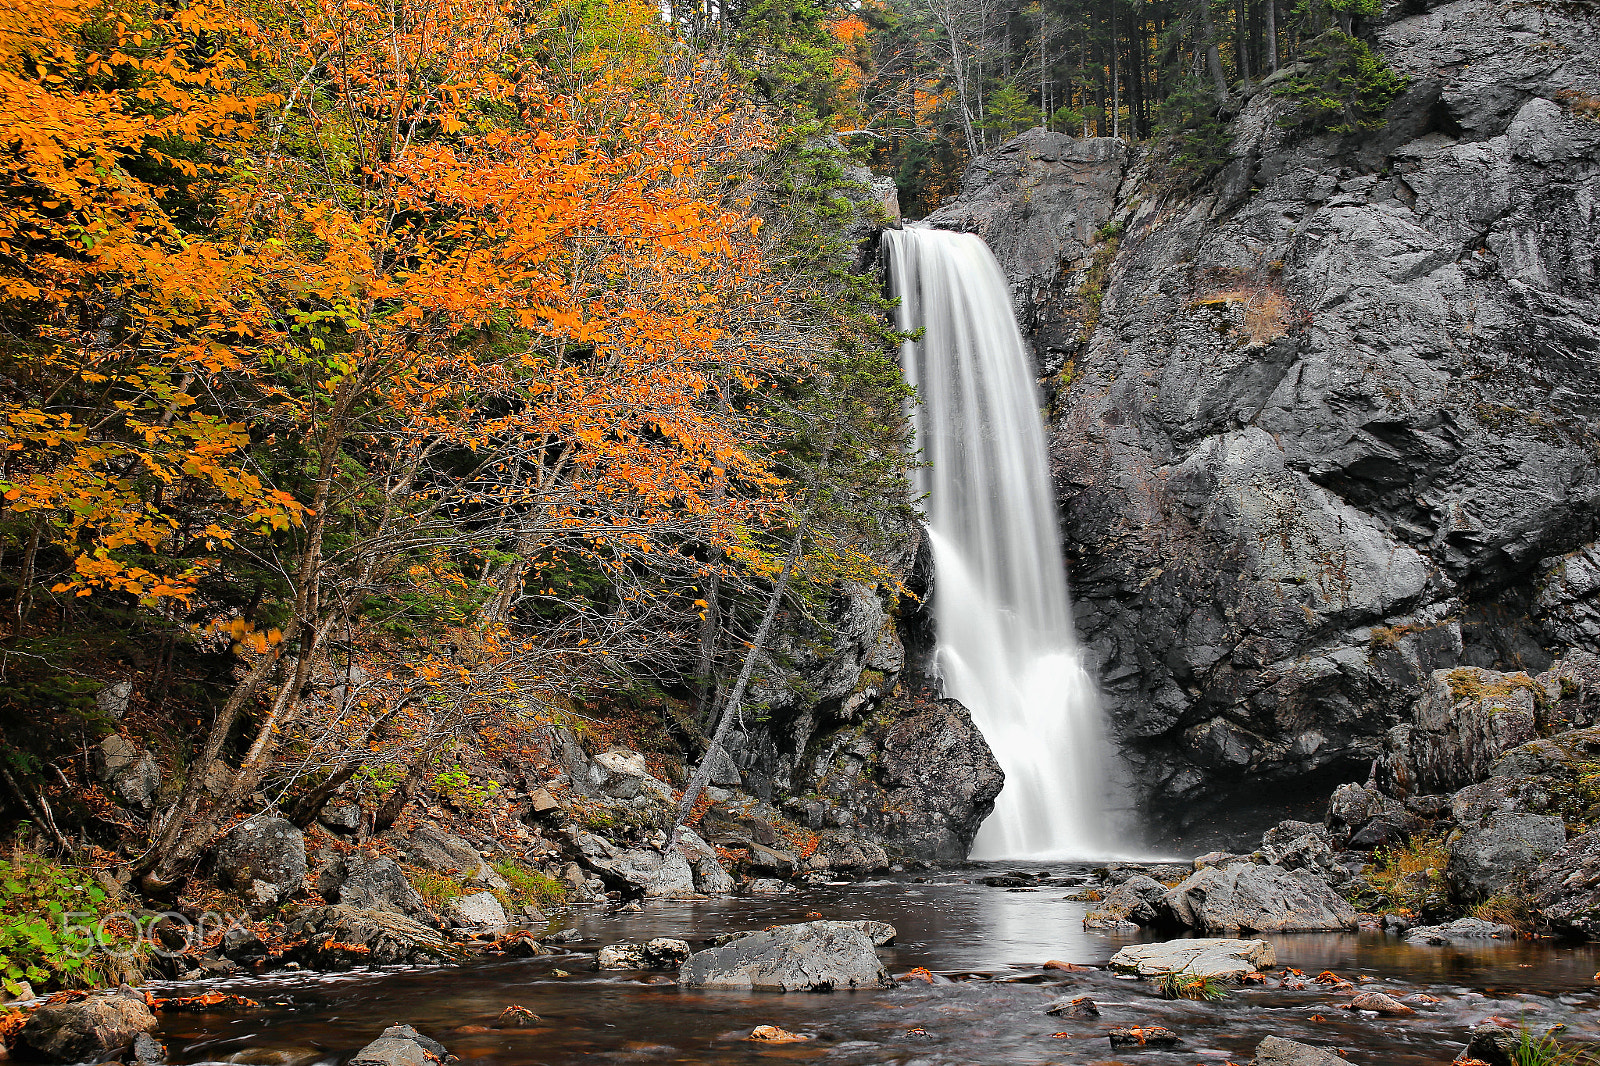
372, 884
1459, 931
1491, 1043
808, 957
1139, 900
401, 1045
1362, 818
100, 1027
1276, 1051
1566, 888
1223, 959
1259, 899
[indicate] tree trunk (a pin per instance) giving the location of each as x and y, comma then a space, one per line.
1213, 57
1270, 9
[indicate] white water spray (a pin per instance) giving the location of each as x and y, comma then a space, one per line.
1006, 644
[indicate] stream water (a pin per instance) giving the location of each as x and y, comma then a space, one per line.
989, 942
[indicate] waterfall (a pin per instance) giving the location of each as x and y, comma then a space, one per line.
1006, 646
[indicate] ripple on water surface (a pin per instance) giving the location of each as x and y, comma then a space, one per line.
993, 940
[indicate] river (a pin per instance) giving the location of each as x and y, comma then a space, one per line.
990, 941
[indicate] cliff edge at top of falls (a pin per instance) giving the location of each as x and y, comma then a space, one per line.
1323, 424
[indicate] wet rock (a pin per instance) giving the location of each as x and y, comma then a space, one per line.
1139, 900
481, 910
917, 782
1501, 842
262, 849
1276, 1051
662, 953
1227, 960
1363, 818
1143, 1036
809, 957
771, 1034
95, 1029
372, 884
1378, 1003
768, 886
1566, 888
1460, 930
1081, 1007
516, 1017
338, 937
1493, 1044
1258, 899
148, 1051
401, 1045
880, 933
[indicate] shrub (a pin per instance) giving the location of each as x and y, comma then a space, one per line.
1345, 87
436, 889
530, 887
1407, 877
1180, 984
56, 931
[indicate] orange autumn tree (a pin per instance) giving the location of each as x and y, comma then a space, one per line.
342, 320
494, 314
115, 317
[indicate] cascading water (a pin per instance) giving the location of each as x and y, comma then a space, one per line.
1006, 644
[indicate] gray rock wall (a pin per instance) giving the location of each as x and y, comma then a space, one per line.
1332, 428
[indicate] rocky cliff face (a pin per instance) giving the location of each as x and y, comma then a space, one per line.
1324, 424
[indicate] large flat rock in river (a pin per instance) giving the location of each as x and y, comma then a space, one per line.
1227, 960
810, 957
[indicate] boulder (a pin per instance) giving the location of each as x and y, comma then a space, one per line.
338, 937
1378, 1003
622, 775
1143, 1036
1458, 931
373, 884
809, 957
132, 774
148, 1051
1362, 818
401, 1045
481, 910
1225, 960
846, 851
432, 848
100, 1027
636, 871
662, 953
263, 849
1139, 900
1276, 1051
340, 817
709, 877
1078, 1007
1493, 1044
1258, 899
1464, 719
1501, 843
1566, 888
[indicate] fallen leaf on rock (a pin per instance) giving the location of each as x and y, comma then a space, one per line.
1144, 1036
209, 1001
921, 973
812, 916
1254, 977
916, 1034
771, 1034
559, 973
1318, 1018
516, 1017
1419, 997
